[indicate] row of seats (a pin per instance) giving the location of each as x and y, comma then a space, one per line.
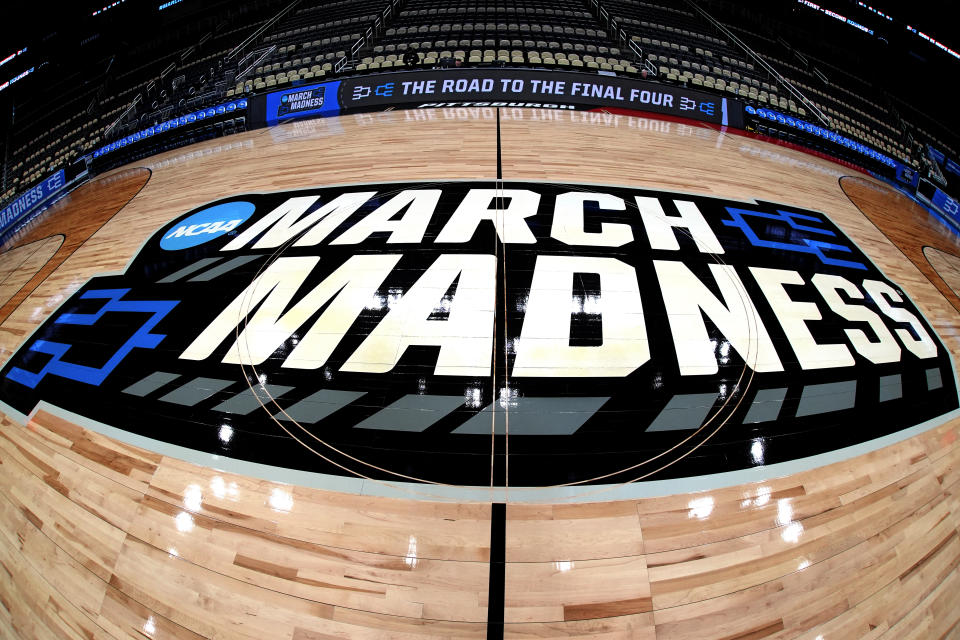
485, 20
86, 135
937, 139
882, 136
491, 43
489, 56
870, 123
308, 42
853, 88
483, 8
694, 47
434, 12
266, 80
75, 116
679, 59
850, 108
682, 52
803, 78
677, 26
325, 17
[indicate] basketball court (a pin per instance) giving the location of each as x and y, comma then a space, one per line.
481, 372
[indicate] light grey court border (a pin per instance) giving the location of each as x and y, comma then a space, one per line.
450, 493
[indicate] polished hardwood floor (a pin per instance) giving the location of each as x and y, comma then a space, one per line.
102, 539
926, 235
947, 266
72, 221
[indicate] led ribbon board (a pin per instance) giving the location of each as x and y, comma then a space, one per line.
388, 330
493, 87
533, 88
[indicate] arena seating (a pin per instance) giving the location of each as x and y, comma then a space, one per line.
560, 34
306, 45
851, 103
283, 43
684, 49
98, 95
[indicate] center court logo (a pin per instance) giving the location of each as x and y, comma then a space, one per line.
206, 224
388, 330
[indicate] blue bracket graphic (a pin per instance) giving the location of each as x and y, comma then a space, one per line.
142, 338
815, 247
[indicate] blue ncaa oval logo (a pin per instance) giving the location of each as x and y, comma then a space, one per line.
207, 224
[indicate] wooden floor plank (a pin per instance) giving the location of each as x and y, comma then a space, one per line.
47, 593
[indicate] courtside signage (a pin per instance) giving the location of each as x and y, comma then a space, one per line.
31, 198
532, 88
318, 100
494, 87
616, 333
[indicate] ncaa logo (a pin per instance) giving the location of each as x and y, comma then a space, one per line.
207, 224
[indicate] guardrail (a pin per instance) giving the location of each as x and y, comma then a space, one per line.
259, 32
786, 84
379, 23
257, 56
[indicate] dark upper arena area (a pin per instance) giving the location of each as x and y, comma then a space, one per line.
81, 76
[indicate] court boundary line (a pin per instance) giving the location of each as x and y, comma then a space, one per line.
483, 494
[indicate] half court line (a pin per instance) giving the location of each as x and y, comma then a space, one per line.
498, 527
